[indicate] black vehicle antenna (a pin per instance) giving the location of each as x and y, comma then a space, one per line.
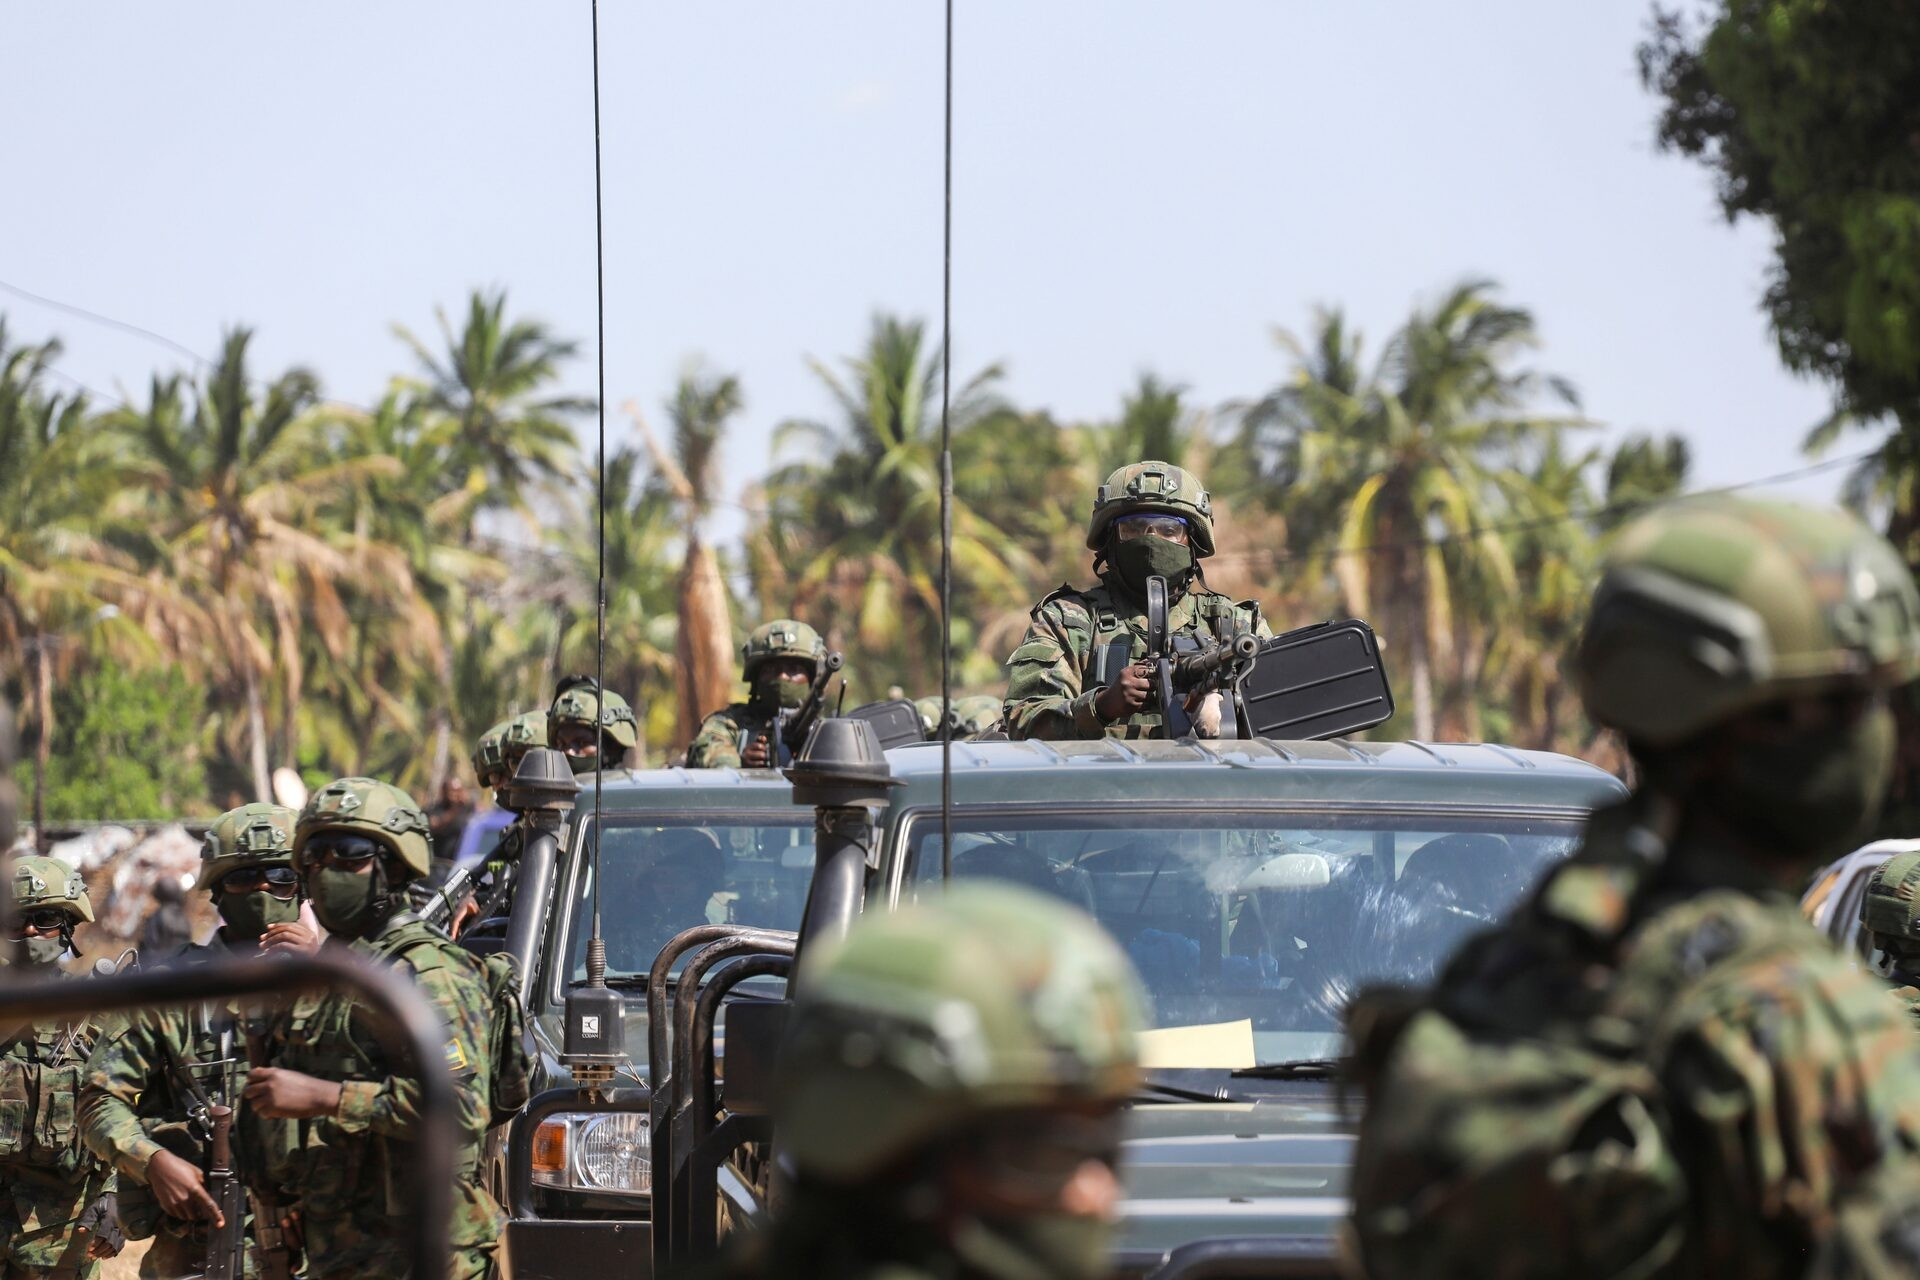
596, 945
946, 479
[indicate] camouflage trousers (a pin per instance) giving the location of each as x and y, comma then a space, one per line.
51, 1253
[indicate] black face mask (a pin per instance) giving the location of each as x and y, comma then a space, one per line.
1148, 556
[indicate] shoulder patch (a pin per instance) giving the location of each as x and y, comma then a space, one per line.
456, 1057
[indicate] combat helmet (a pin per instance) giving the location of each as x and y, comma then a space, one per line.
988, 997
1153, 486
781, 638
40, 882
377, 810
253, 834
580, 701
928, 710
978, 713
523, 733
1890, 911
1708, 607
488, 760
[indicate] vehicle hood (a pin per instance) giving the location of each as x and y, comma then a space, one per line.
1274, 1167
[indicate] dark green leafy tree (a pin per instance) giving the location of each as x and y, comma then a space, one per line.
1643, 469
127, 747
1808, 114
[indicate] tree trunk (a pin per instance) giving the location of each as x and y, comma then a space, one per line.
1473, 660
257, 736
703, 646
43, 712
442, 723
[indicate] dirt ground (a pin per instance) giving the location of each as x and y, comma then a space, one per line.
127, 1265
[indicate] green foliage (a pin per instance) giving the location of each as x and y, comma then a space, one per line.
125, 746
1807, 113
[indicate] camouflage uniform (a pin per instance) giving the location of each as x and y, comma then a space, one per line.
352, 1171
51, 1187
717, 744
140, 1082
1657, 1068
921, 1031
1053, 677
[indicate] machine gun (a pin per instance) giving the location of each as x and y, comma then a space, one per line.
791, 728
1183, 666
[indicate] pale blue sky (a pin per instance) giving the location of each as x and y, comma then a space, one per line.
1137, 185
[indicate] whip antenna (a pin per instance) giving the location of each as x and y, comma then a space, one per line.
596, 945
946, 480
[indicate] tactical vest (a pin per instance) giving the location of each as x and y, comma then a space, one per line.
41, 1070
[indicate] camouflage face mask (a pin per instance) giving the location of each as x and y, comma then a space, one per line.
1813, 795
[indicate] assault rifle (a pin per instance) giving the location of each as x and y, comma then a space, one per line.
226, 1243
277, 1241
1183, 666
438, 904
791, 728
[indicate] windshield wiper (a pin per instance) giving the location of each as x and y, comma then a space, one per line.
1160, 1089
1301, 1069
618, 981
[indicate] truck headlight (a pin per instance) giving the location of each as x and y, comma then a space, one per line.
610, 1152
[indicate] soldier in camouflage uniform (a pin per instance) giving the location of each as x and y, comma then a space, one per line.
352, 1111
950, 1096
488, 770
591, 731
1150, 519
57, 1215
1657, 1067
1890, 911
972, 716
144, 1081
780, 662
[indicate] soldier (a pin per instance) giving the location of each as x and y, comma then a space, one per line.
950, 1094
146, 1082
928, 710
780, 662
488, 771
57, 1215
357, 843
1149, 520
1888, 912
591, 735
978, 715
1657, 1068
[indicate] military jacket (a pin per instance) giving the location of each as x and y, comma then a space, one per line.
1735, 1079
48, 1177
352, 1171
1053, 677
717, 745
136, 1097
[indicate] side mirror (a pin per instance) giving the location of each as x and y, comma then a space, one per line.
751, 1053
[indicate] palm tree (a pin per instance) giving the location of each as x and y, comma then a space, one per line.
233, 481
1396, 475
703, 645
860, 514
500, 431
1644, 469
1155, 422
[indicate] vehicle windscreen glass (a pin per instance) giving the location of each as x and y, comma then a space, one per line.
662, 878
1253, 931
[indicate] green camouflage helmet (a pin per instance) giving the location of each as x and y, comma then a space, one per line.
983, 998
929, 710
40, 881
253, 834
979, 713
488, 757
1153, 486
523, 733
377, 810
781, 638
581, 705
1711, 606
1888, 910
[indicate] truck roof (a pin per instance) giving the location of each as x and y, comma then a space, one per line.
1107, 769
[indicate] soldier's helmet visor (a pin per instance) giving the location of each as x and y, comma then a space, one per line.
281, 882
342, 849
44, 920
1157, 523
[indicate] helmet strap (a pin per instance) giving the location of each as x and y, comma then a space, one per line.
66, 936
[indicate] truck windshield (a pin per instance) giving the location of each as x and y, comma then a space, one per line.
663, 877
1252, 931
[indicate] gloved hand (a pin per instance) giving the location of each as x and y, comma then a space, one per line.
102, 1220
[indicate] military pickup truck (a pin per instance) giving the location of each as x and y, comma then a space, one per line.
1255, 884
